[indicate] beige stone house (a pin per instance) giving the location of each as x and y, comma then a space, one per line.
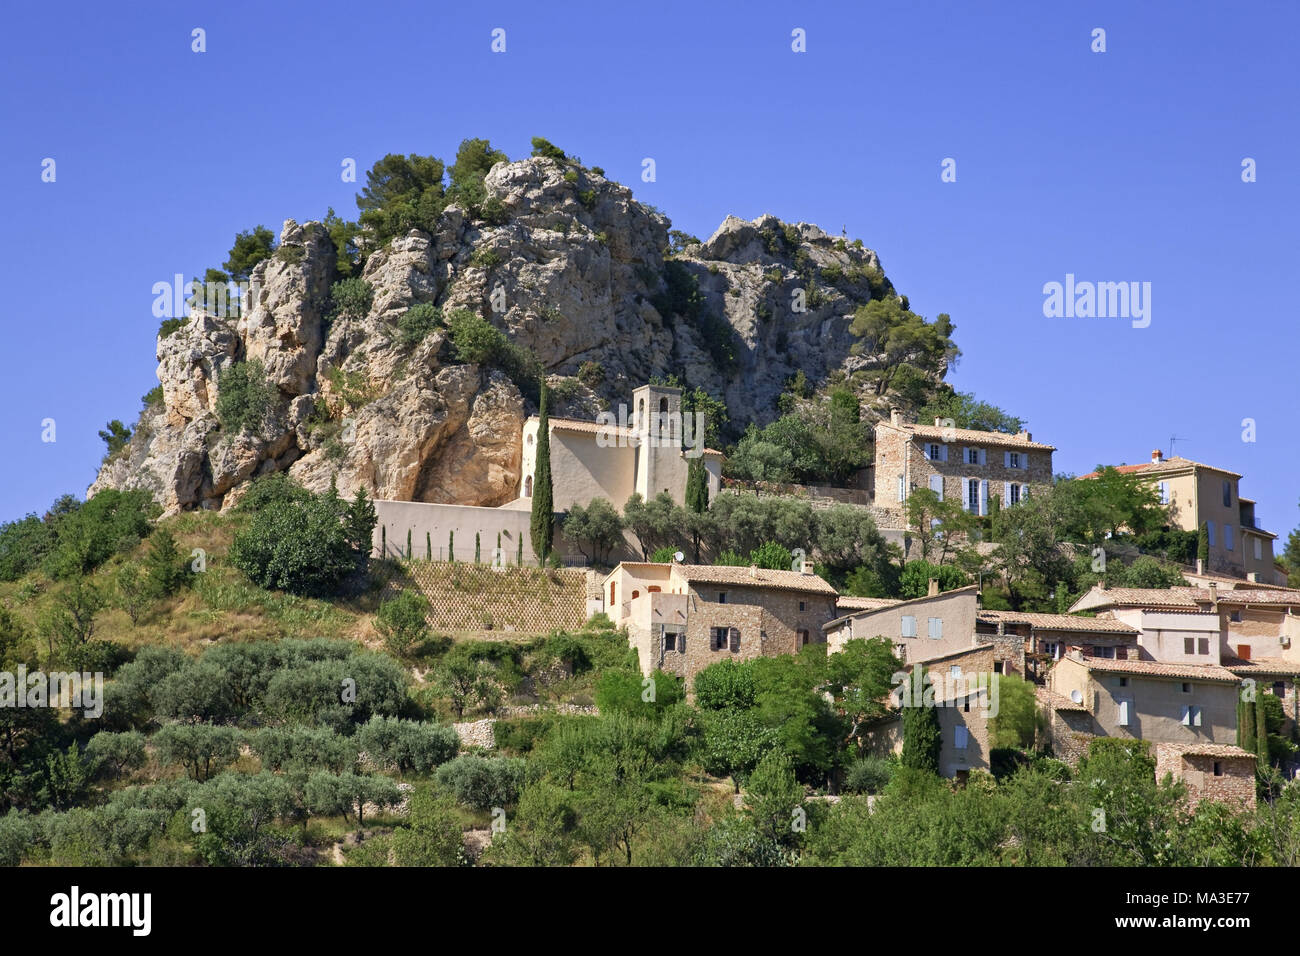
919, 629
611, 460
959, 464
681, 618
1202, 494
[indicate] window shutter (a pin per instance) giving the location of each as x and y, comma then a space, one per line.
1227, 536
936, 485
984, 457
1006, 494
735, 640
1187, 716
901, 495
1006, 459
1123, 713
908, 626
1196, 716
959, 738
984, 497
1209, 532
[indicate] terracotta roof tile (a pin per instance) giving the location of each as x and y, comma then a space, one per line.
1055, 701
1203, 672
1176, 463
845, 603
1212, 750
969, 435
754, 577
1057, 622
1261, 665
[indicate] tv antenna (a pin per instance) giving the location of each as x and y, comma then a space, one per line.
1172, 439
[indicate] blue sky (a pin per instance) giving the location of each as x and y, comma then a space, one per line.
1115, 166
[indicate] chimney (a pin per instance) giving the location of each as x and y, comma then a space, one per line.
1200, 565
806, 567
938, 423
753, 571
1156, 456
895, 416
1214, 594
933, 590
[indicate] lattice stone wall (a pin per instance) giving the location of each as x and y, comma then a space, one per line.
469, 597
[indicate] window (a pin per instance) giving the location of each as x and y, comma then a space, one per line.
1234, 616
1123, 682
1209, 532
1187, 688
733, 635
1108, 653
722, 597
1202, 645
936, 452
717, 638
803, 638
1227, 536
1122, 708
959, 737
1191, 715
954, 670
669, 642
1052, 649
973, 495
1163, 488
1218, 769
1279, 689
802, 605
902, 491
975, 456
936, 485
1013, 493
1013, 459
997, 667
1189, 645
528, 487
909, 626
1227, 494
936, 627
635, 595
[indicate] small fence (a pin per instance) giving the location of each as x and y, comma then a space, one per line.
480, 597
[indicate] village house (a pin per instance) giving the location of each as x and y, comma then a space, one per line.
960, 464
1031, 643
1199, 494
1187, 711
919, 629
681, 618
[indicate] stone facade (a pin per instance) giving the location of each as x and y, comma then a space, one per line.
1224, 774
913, 639
947, 461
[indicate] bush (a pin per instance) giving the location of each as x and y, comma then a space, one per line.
402, 622
87, 535
23, 545
407, 745
416, 324
433, 834
483, 783
304, 543
350, 299
868, 775
244, 397
201, 749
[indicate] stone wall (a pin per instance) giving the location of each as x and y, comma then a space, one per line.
1234, 784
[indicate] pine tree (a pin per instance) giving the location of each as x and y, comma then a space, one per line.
542, 527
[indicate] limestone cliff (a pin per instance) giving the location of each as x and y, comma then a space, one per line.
580, 268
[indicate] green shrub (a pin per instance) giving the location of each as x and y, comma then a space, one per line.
350, 298
483, 783
868, 775
409, 746
244, 397
401, 620
416, 324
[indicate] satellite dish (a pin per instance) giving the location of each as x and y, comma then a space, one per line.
679, 557
1076, 696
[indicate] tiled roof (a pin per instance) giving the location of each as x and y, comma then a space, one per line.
1057, 622
971, 589
969, 435
1203, 672
864, 604
1175, 463
1244, 596
754, 577
1055, 701
1212, 750
1146, 597
1261, 665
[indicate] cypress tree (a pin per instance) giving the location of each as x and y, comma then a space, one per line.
451, 546
697, 486
922, 736
1203, 546
1261, 732
519, 552
542, 527
1246, 726
428, 546
409, 552
478, 547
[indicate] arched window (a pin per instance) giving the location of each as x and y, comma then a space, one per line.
635, 595
528, 487
640, 413
663, 406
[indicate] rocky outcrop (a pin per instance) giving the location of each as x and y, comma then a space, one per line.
576, 271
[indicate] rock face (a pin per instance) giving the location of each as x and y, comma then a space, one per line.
574, 272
